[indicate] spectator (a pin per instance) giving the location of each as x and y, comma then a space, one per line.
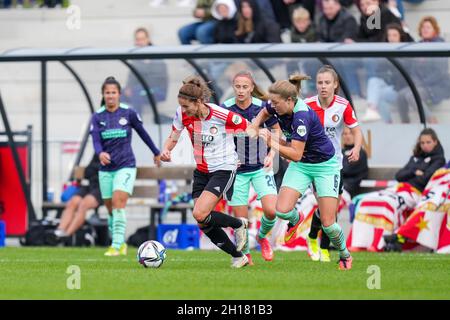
224, 11
302, 28
369, 30
154, 73
283, 10
352, 172
87, 198
384, 84
253, 27
203, 30
428, 156
430, 75
336, 24
432, 206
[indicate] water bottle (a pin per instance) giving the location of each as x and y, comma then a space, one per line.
162, 191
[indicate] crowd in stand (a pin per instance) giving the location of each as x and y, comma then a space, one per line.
6, 4
264, 21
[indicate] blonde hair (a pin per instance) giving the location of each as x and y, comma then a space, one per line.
257, 91
300, 14
289, 88
194, 88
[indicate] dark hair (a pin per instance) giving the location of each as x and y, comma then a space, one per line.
245, 26
194, 88
110, 80
425, 132
330, 69
399, 28
257, 91
145, 31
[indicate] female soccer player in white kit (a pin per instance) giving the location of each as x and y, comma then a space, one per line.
211, 129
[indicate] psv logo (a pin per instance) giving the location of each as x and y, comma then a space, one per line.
301, 130
236, 119
123, 121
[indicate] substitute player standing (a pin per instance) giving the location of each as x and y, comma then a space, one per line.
111, 133
255, 164
211, 129
312, 161
334, 112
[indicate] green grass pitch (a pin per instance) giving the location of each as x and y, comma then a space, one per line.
41, 273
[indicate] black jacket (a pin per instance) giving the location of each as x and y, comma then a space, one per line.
426, 162
376, 34
224, 32
91, 172
310, 35
264, 30
343, 26
354, 172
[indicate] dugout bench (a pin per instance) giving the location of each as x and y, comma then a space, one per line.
146, 192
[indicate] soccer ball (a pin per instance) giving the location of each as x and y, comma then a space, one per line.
151, 254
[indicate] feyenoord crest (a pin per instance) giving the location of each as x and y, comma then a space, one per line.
213, 130
301, 130
236, 119
335, 118
123, 121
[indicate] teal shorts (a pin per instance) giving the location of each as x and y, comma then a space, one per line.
122, 179
263, 182
324, 175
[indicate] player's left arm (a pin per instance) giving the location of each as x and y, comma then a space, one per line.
351, 122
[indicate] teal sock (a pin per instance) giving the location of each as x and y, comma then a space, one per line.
292, 216
334, 232
110, 224
266, 226
119, 226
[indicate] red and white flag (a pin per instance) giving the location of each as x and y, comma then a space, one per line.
428, 225
379, 213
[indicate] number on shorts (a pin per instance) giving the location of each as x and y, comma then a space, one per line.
270, 181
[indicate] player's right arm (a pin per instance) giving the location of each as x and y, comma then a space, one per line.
172, 139
104, 157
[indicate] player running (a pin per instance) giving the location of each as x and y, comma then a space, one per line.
312, 161
256, 164
111, 133
334, 112
211, 130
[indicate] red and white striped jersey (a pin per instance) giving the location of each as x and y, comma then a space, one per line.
213, 137
333, 118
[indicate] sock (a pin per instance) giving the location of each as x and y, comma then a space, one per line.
336, 236
110, 224
266, 226
119, 226
292, 216
221, 240
221, 220
316, 225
